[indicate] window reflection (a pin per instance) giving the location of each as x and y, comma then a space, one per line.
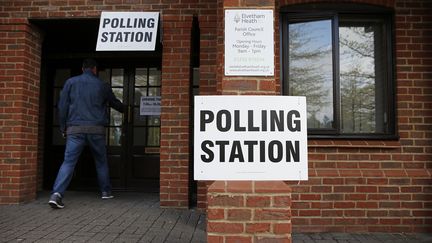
138, 93
115, 136
154, 76
153, 136
105, 74
117, 77
311, 71
361, 77
141, 77
116, 118
154, 92
146, 128
118, 92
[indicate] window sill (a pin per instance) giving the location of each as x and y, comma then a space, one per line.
329, 143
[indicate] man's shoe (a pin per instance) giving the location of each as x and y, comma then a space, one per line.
56, 201
107, 195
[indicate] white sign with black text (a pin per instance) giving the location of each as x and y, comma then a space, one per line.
127, 31
150, 106
250, 138
249, 45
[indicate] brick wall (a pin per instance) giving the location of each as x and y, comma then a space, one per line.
381, 186
19, 99
246, 211
174, 162
355, 185
372, 185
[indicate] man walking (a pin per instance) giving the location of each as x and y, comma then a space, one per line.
83, 115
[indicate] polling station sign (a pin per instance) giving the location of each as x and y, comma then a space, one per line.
250, 138
127, 31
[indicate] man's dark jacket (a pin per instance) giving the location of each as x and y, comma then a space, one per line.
84, 101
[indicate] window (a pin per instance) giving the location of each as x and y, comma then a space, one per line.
340, 58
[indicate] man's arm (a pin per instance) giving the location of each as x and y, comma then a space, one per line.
113, 101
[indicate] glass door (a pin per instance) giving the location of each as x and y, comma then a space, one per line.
143, 130
133, 139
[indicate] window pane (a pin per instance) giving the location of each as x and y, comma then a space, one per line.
153, 136
117, 77
138, 93
154, 92
311, 70
141, 77
118, 92
154, 77
139, 136
154, 120
115, 118
361, 77
105, 74
139, 120
115, 136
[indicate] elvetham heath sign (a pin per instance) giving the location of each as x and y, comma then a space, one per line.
250, 138
249, 45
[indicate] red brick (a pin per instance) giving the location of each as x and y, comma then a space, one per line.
281, 201
254, 228
228, 228
272, 214
258, 201
215, 213
226, 200
283, 228
239, 214
238, 239
269, 239
271, 187
215, 239
239, 186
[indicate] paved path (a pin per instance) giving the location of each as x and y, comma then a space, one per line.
135, 217
129, 217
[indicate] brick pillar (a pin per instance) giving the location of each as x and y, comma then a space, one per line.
246, 211
19, 108
174, 147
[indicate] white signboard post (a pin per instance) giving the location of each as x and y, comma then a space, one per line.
250, 138
150, 106
249, 45
127, 31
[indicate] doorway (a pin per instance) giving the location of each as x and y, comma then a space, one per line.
133, 140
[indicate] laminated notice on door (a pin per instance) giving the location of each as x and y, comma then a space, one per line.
150, 106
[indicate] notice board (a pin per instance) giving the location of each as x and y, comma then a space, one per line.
249, 45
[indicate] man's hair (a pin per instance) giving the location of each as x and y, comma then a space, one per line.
89, 63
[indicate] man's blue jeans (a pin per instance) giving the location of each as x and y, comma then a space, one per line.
74, 146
